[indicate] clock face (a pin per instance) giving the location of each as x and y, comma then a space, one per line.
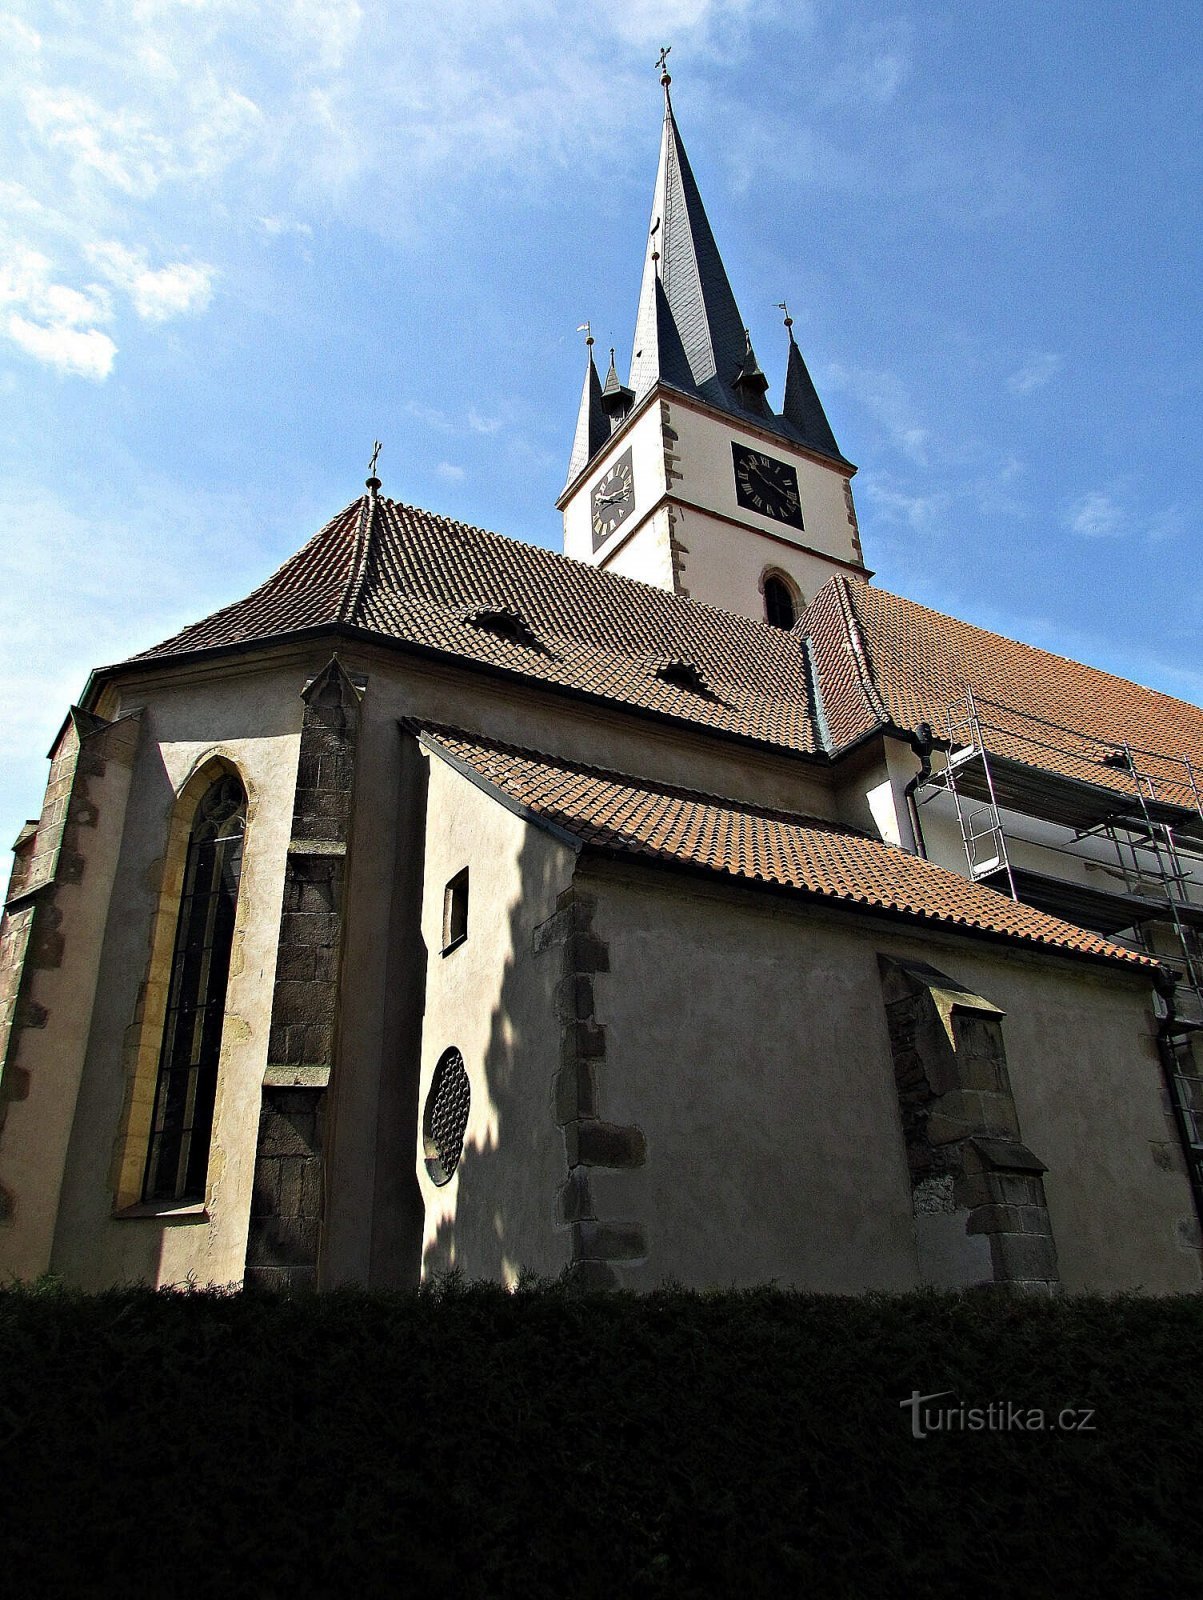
613, 498
766, 485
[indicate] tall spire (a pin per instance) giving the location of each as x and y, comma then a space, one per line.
592, 423
803, 409
686, 306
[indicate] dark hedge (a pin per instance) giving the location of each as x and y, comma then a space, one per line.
466, 1441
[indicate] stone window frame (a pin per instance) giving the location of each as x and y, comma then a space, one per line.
144, 1038
796, 598
455, 911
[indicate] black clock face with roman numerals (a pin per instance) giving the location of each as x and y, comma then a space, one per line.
613, 498
767, 485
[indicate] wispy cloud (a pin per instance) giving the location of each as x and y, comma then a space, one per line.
886, 398
1037, 370
450, 472
1098, 515
1115, 512
157, 293
285, 225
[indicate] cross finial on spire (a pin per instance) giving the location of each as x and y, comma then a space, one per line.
662, 66
373, 482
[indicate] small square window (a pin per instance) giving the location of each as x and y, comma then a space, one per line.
455, 912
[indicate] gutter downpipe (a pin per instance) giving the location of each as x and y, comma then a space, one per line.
921, 744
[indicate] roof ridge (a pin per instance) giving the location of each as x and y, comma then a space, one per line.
860, 651
364, 528
438, 730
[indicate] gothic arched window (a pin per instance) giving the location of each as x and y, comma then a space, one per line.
178, 1158
779, 608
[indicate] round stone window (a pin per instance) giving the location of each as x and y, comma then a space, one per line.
446, 1116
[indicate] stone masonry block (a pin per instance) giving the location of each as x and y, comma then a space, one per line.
1023, 1256
608, 1241
575, 1091
604, 1144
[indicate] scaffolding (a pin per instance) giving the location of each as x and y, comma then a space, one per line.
1127, 813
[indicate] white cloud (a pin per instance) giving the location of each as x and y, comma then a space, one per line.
481, 424
1098, 515
50, 321
85, 352
1036, 371
452, 473
159, 293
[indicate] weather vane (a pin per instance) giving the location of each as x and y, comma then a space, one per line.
583, 327
781, 306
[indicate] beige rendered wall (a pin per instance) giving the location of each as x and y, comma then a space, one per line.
746, 1037
493, 998
252, 719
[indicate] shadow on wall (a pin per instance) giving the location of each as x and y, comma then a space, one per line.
502, 1204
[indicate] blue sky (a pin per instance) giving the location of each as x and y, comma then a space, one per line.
240, 240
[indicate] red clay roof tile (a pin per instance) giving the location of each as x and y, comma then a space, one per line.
630, 816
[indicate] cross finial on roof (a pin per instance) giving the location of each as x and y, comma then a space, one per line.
373, 482
662, 66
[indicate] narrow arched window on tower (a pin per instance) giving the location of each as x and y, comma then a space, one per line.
778, 603
178, 1158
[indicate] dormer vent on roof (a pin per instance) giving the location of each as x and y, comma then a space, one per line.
505, 622
682, 674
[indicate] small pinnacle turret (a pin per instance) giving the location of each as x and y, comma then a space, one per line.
802, 409
592, 423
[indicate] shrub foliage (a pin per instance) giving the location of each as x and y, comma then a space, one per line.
468, 1441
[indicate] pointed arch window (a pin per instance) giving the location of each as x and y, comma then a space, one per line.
186, 1091
780, 609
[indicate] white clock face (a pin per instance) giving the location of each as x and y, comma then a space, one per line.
613, 498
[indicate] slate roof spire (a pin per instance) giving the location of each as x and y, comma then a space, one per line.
592, 423
689, 331
803, 409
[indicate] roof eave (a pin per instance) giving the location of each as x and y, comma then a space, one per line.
102, 676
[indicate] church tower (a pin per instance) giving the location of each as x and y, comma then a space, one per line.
685, 477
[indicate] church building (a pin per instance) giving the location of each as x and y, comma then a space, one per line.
682, 906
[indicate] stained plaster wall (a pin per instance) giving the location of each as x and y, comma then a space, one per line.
493, 998
249, 710
252, 719
747, 1039
54, 1003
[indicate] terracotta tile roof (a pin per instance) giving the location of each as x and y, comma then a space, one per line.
421, 580
883, 658
415, 578
630, 816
